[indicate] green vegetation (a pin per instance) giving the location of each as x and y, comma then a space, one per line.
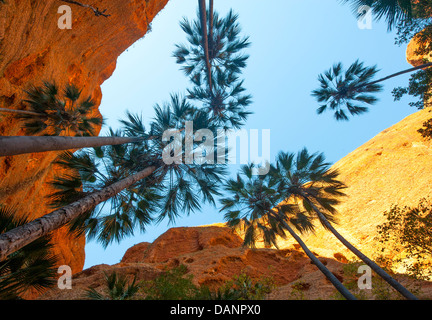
406, 237
117, 289
176, 284
380, 290
50, 114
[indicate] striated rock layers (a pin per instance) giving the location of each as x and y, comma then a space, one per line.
32, 50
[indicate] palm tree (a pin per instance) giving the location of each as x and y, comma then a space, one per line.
393, 11
253, 203
214, 71
31, 268
308, 179
349, 91
118, 288
181, 187
54, 115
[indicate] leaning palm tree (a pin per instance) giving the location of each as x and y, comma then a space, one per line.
213, 60
32, 268
351, 91
308, 179
181, 186
253, 203
393, 11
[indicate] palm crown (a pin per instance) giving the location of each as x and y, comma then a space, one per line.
305, 178
68, 115
172, 189
219, 89
347, 92
254, 203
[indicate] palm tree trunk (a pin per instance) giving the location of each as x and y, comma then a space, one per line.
17, 238
327, 273
30, 113
378, 270
423, 66
211, 22
203, 14
10, 146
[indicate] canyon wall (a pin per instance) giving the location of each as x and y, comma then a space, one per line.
32, 50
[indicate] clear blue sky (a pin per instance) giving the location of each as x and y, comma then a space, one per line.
292, 42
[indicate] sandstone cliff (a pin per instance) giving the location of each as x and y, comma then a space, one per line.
32, 50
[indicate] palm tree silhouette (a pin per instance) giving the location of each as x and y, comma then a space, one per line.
308, 179
253, 204
351, 91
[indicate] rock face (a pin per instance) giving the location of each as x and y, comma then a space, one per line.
33, 49
214, 255
393, 168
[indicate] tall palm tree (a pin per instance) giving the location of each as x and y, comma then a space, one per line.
308, 179
31, 268
393, 11
253, 203
350, 91
53, 114
181, 187
214, 71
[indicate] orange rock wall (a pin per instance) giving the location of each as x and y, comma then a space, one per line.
32, 50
